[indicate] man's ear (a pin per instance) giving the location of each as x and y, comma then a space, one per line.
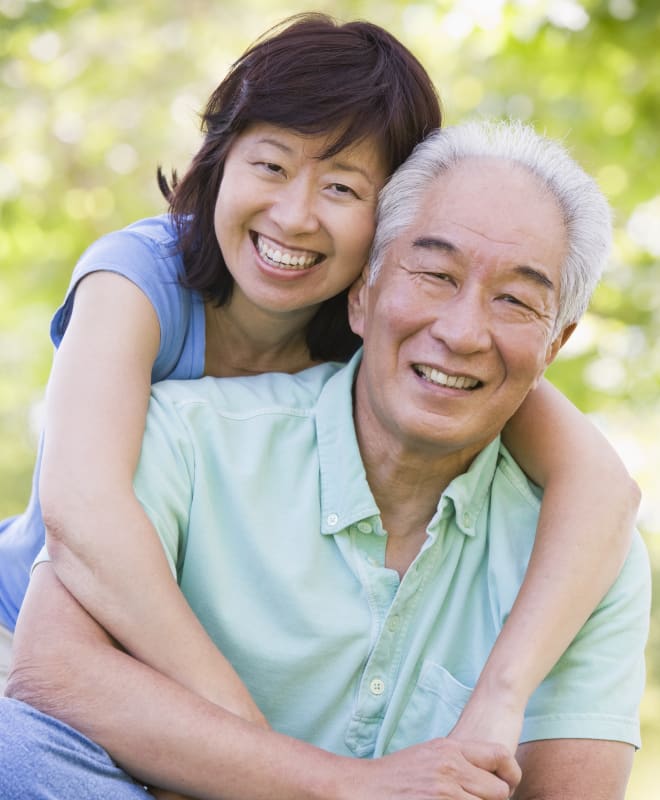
559, 342
356, 302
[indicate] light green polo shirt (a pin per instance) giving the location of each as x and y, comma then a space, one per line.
260, 497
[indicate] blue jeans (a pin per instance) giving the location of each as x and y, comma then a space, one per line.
5, 656
41, 758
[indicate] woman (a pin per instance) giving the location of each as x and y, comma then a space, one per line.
249, 273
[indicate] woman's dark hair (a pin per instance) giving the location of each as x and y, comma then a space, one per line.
315, 76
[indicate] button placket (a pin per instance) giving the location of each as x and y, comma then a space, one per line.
378, 674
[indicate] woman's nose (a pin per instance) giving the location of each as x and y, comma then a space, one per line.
294, 208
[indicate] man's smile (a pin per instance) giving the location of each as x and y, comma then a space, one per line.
434, 375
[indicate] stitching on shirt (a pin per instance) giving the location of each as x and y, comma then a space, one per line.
512, 476
246, 415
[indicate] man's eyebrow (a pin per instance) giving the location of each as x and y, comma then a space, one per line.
534, 275
434, 243
525, 271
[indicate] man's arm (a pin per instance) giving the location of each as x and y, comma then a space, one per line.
164, 735
574, 769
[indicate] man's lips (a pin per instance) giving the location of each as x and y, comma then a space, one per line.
439, 378
278, 255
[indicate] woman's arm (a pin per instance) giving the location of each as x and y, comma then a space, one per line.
102, 543
163, 734
584, 532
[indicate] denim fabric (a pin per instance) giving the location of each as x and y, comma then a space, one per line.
41, 758
5, 655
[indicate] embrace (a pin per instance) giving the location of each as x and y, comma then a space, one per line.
353, 538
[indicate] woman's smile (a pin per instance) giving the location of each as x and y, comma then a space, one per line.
281, 256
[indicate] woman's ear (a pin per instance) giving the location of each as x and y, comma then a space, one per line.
356, 301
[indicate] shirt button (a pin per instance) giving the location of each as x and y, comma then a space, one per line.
376, 686
467, 519
364, 527
332, 520
393, 622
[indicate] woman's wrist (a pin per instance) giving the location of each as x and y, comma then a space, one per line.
494, 713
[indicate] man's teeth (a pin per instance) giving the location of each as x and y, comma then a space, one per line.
284, 258
453, 381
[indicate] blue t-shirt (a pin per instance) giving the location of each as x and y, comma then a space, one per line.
146, 253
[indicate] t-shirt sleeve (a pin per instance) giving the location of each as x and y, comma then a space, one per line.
163, 480
154, 268
595, 689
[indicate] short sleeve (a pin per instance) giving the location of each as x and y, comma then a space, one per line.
595, 689
145, 253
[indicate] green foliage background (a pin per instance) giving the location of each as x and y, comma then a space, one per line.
94, 95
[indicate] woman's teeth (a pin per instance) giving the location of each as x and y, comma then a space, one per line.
285, 259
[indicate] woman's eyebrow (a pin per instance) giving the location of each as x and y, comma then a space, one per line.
276, 143
345, 166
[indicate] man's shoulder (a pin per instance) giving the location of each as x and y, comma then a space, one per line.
242, 397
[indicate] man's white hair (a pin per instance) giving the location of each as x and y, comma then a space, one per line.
585, 210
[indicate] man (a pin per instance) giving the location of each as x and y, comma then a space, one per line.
354, 538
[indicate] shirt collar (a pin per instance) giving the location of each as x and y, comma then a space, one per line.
345, 494
467, 494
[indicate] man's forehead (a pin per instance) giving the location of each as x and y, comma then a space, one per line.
488, 203
487, 182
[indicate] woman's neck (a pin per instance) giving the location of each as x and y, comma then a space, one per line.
244, 340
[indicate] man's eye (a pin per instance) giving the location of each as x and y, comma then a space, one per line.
509, 298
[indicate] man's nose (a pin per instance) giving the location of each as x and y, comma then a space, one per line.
294, 208
462, 322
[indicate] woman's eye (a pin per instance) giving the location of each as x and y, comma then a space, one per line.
343, 189
271, 167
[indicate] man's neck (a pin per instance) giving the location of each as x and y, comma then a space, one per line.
406, 477
406, 484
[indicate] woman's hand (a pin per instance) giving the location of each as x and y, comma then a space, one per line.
440, 769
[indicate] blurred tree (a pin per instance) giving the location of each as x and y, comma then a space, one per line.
93, 95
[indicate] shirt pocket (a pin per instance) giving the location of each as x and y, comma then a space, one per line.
433, 709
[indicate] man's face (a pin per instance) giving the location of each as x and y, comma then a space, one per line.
458, 324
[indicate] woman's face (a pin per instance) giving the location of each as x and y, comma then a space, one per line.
294, 229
